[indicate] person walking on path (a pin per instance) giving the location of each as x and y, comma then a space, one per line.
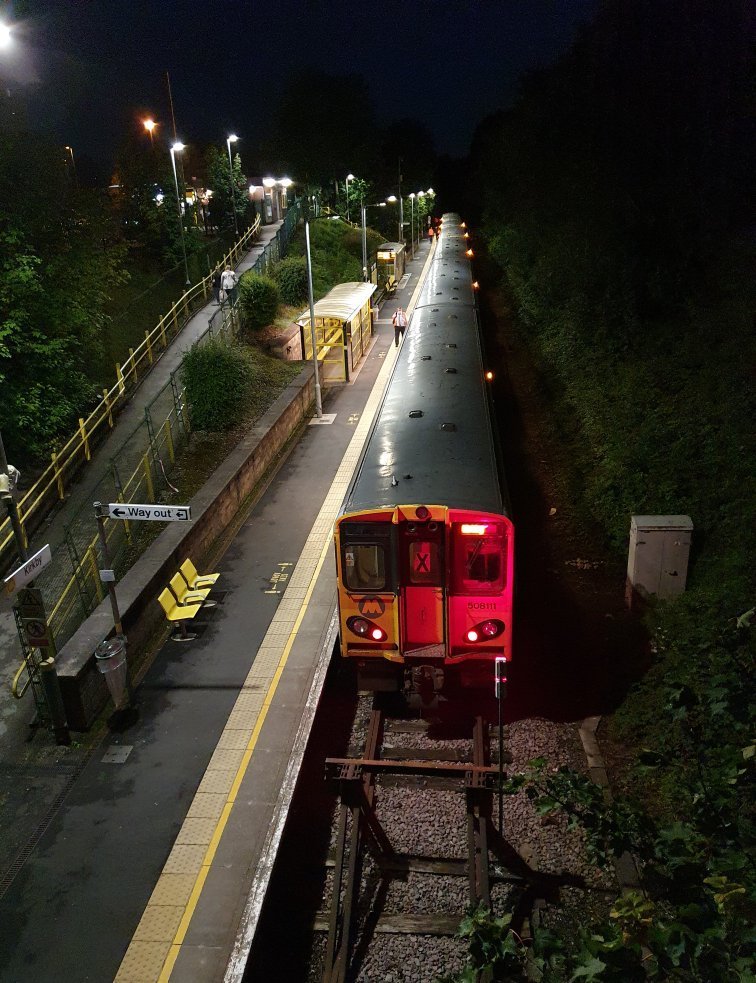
228, 284
400, 325
217, 285
430, 235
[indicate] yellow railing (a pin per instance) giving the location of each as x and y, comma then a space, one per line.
51, 484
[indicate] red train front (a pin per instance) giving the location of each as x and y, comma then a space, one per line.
425, 544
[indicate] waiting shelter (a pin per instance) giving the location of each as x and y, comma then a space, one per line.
343, 328
391, 260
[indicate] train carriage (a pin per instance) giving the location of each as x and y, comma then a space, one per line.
425, 543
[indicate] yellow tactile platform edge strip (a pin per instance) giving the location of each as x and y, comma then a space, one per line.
157, 942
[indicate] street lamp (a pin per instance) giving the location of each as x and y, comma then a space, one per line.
313, 339
176, 149
6, 37
232, 139
349, 177
149, 125
73, 165
363, 210
412, 223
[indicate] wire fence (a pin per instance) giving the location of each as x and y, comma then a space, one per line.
139, 471
67, 463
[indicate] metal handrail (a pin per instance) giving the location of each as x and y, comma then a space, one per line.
77, 448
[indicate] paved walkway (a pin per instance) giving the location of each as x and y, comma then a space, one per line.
15, 715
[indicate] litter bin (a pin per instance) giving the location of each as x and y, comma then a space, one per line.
111, 662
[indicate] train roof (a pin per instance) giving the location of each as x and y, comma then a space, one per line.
433, 434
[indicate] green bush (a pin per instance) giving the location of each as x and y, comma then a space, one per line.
291, 276
218, 377
259, 299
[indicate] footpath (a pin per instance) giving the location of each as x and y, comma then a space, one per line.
19, 745
133, 850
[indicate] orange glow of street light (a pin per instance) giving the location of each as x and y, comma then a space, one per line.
469, 252
149, 125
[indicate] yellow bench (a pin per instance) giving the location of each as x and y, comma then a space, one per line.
194, 579
185, 595
178, 613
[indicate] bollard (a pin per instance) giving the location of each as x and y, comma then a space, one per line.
51, 687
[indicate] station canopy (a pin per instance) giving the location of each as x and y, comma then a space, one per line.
341, 303
390, 247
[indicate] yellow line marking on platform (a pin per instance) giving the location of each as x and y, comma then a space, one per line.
249, 713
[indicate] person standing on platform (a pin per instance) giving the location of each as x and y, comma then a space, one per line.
400, 325
228, 283
430, 235
217, 285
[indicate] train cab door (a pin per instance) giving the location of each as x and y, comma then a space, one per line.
422, 551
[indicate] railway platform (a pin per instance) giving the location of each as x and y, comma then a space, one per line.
156, 862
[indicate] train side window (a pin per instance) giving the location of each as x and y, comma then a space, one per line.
364, 566
479, 565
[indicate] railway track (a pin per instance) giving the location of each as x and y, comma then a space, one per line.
393, 758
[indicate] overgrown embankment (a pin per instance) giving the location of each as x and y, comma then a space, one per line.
614, 205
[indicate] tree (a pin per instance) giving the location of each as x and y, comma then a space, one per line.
60, 252
222, 205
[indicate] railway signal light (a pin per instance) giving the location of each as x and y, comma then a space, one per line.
500, 673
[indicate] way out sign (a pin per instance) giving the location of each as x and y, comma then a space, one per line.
28, 571
149, 513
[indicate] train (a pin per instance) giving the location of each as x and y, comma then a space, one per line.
424, 541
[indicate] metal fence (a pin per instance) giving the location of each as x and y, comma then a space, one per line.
138, 471
66, 463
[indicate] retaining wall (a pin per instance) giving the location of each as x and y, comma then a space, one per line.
214, 509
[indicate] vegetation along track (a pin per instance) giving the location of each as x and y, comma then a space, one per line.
428, 850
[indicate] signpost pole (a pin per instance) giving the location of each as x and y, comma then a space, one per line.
501, 682
106, 559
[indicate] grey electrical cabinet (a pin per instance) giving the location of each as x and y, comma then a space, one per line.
658, 560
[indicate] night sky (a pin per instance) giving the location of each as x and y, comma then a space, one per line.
88, 69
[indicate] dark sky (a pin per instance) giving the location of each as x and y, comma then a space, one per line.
88, 68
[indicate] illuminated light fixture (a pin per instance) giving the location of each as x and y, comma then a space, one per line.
431, 191
6, 38
463, 225
391, 199
469, 252
421, 194
473, 529
422, 512
350, 177
178, 147
489, 376
159, 197
286, 182
365, 628
485, 630
149, 125
269, 182
467, 235
476, 285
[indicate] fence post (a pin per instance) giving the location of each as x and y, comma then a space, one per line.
94, 573
175, 321
58, 477
133, 364
148, 477
178, 403
119, 495
161, 326
121, 380
148, 341
186, 307
169, 436
108, 407
84, 438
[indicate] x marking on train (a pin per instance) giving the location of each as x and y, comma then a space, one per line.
421, 563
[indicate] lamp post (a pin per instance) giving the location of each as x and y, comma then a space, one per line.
318, 401
363, 212
349, 177
149, 125
73, 165
232, 139
176, 149
412, 223
6, 37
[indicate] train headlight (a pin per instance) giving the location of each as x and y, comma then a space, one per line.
366, 629
485, 631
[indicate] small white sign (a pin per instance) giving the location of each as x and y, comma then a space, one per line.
149, 513
107, 576
31, 569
